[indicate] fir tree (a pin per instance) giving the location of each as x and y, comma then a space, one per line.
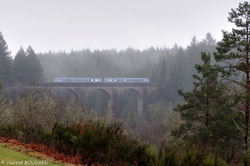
21, 65
27, 66
35, 68
6, 69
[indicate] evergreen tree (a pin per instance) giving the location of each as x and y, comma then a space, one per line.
162, 83
234, 50
204, 108
35, 68
21, 66
6, 70
27, 66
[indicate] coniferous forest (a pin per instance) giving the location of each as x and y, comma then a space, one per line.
199, 114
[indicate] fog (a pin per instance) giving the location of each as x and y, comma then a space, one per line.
131, 63
62, 25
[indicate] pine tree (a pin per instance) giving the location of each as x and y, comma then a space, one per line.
234, 50
208, 101
6, 69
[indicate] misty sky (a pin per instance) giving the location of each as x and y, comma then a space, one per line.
105, 24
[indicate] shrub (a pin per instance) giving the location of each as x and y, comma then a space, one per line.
187, 155
97, 142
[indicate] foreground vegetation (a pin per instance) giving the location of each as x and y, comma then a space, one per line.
87, 136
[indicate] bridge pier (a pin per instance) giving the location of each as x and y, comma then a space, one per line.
140, 106
81, 91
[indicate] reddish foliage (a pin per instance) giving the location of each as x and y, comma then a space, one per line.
51, 152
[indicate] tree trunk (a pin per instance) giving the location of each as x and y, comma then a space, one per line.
247, 92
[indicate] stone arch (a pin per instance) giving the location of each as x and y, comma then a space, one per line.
139, 96
57, 92
153, 95
74, 93
138, 93
90, 90
35, 93
108, 94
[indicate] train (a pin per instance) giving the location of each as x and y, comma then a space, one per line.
100, 80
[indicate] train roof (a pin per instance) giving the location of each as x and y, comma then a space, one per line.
76, 77
125, 78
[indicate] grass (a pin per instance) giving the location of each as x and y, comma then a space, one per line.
13, 155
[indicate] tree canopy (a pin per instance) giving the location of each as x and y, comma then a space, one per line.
27, 66
6, 68
234, 51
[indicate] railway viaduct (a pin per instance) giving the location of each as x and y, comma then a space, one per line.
81, 91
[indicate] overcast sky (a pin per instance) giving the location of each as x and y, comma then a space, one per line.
105, 24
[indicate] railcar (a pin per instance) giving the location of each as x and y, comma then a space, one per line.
77, 80
126, 80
